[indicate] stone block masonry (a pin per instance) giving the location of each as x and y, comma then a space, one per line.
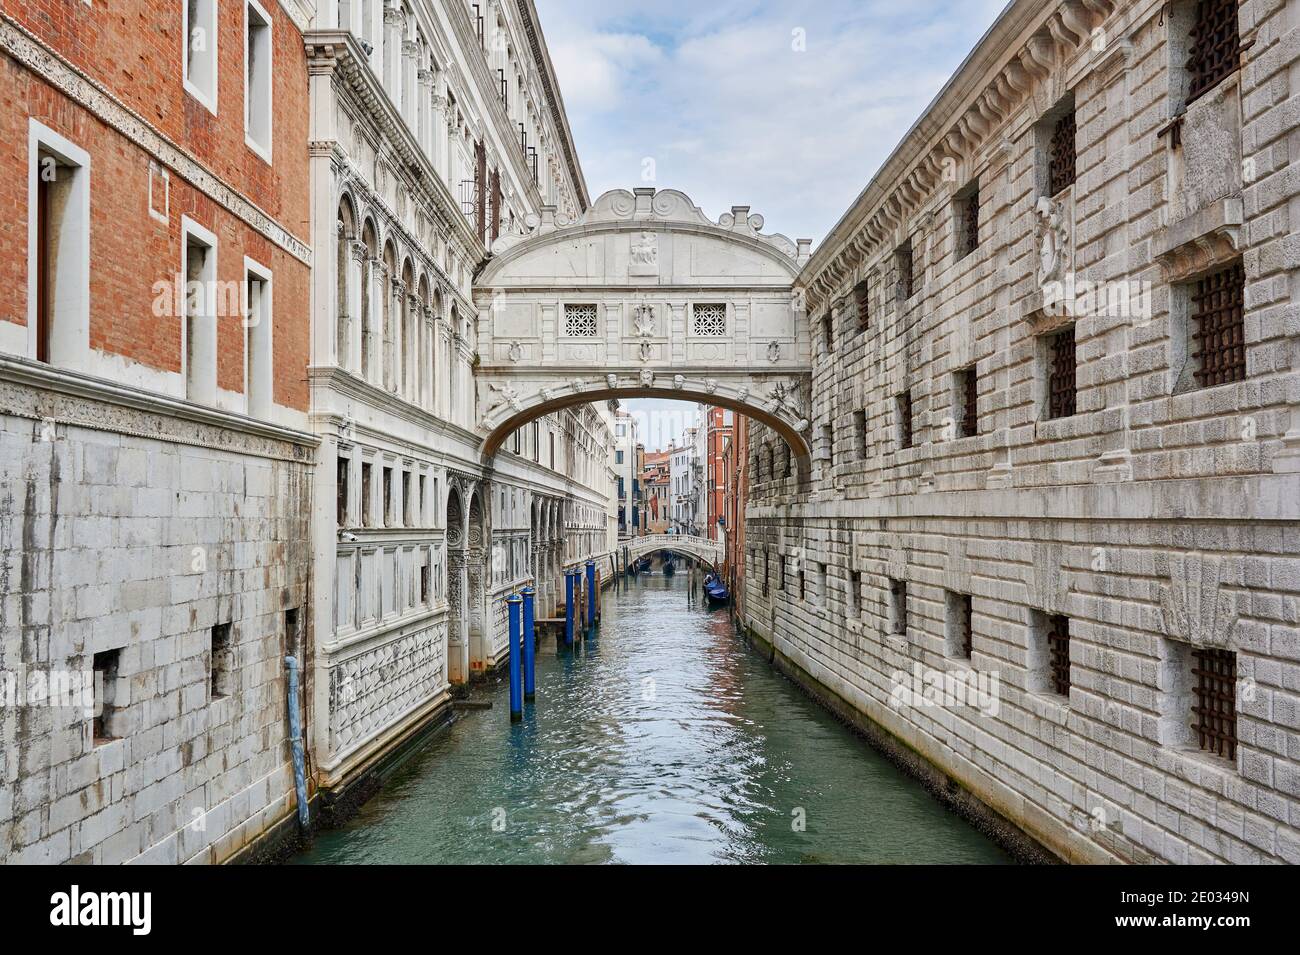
141, 548
1056, 441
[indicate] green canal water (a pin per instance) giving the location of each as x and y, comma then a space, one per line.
663, 739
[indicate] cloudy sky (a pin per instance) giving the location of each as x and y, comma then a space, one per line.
786, 106
783, 105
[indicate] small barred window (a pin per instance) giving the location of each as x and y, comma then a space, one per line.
709, 320
580, 321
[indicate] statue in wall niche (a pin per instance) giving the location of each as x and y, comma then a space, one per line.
1051, 238
646, 350
516, 351
774, 351
644, 256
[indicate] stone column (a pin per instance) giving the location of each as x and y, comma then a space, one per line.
438, 131
391, 64
356, 276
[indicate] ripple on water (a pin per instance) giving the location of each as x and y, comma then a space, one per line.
716, 760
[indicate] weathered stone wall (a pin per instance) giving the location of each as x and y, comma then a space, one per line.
1158, 518
134, 531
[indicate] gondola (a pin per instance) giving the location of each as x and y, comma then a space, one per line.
715, 591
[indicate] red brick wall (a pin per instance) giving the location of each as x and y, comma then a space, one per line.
134, 50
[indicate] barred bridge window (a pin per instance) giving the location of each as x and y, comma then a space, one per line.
1215, 709
1061, 380
1058, 654
1219, 327
580, 321
1216, 45
709, 320
1062, 154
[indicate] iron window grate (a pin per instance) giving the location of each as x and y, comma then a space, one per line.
1216, 45
971, 223
969, 403
1062, 154
1215, 709
1218, 314
1058, 654
1061, 384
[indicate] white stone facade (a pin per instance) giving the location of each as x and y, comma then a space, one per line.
417, 538
1160, 517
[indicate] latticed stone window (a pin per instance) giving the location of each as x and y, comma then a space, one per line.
1214, 710
709, 320
1058, 654
1219, 326
580, 321
1215, 47
1062, 154
1062, 385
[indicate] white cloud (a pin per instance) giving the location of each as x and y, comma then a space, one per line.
732, 114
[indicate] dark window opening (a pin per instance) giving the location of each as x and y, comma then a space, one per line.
1062, 154
968, 226
898, 606
341, 482
221, 662
903, 409
105, 666
366, 491
903, 266
861, 304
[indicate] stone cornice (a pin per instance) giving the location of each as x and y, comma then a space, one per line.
349, 385
1023, 47
338, 52
34, 55
31, 389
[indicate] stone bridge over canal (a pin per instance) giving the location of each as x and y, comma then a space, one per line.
643, 296
701, 548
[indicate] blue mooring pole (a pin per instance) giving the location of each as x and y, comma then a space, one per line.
568, 608
516, 696
296, 742
530, 648
591, 593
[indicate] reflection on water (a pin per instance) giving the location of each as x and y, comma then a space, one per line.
665, 739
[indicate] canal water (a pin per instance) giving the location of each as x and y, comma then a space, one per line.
664, 739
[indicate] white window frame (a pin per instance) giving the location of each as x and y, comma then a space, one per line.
263, 149
263, 333
207, 99
70, 343
209, 383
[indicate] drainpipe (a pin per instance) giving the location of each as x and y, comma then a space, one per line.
295, 741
